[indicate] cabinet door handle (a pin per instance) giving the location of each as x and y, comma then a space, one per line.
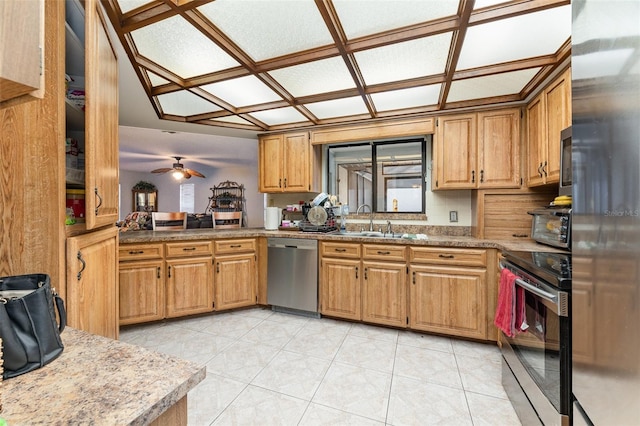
340, 250
473, 176
95, 190
285, 182
365, 273
188, 249
280, 183
217, 267
383, 252
520, 235
540, 169
356, 272
544, 169
446, 256
414, 276
235, 245
169, 271
84, 265
481, 176
136, 251
158, 272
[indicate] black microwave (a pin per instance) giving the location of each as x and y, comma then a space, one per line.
566, 178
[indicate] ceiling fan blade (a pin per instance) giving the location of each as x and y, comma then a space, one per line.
194, 173
162, 170
186, 174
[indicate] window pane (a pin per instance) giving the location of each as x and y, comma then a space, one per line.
399, 177
387, 176
187, 197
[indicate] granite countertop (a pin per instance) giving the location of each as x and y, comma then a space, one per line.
432, 240
99, 381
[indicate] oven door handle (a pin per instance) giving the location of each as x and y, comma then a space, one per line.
537, 291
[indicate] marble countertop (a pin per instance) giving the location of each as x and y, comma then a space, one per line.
99, 381
432, 240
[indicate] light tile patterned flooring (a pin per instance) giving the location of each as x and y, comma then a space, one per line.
269, 368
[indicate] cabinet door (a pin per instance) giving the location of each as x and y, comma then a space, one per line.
340, 288
297, 163
558, 110
455, 152
499, 149
141, 291
92, 282
189, 286
101, 115
235, 281
536, 143
384, 295
448, 300
271, 164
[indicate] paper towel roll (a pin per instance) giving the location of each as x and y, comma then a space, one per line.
272, 218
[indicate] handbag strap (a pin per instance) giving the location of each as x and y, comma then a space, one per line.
62, 312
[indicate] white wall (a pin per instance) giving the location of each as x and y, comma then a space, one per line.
169, 190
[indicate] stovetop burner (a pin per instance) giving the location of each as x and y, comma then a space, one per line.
555, 268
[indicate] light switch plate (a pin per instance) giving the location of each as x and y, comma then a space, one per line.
453, 216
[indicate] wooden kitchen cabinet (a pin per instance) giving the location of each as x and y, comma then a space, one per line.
92, 282
478, 151
448, 291
340, 280
141, 283
20, 54
236, 274
189, 278
285, 163
455, 152
547, 115
384, 285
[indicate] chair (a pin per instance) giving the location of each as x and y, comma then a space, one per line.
169, 221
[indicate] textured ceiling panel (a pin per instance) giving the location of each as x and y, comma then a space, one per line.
490, 86
327, 75
338, 108
273, 117
407, 98
242, 91
185, 103
180, 48
266, 29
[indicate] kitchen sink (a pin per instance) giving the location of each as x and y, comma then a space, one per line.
371, 234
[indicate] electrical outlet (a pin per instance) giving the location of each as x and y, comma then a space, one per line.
453, 216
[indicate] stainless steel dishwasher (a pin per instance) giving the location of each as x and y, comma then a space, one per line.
292, 279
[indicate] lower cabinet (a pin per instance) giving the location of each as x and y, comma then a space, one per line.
142, 296
189, 286
340, 284
236, 274
449, 299
384, 285
92, 282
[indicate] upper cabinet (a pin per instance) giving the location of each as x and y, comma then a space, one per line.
547, 115
92, 111
20, 51
286, 163
478, 150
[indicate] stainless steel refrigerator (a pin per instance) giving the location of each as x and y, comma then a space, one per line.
605, 295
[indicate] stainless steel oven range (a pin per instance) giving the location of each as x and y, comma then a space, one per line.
537, 362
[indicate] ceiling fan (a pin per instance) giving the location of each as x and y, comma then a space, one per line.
179, 171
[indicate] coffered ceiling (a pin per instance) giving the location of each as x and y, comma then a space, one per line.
266, 65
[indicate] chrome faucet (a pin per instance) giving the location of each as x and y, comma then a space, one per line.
389, 229
362, 206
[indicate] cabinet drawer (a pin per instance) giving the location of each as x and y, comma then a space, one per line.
384, 252
448, 256
342, 250
234, 246
140, 252
189, 248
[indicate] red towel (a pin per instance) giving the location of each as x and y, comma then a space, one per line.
505, 310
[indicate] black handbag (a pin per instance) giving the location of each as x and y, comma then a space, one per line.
28, 328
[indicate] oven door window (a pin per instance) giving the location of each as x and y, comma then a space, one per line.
538, 348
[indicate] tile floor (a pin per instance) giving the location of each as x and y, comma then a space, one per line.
269, 368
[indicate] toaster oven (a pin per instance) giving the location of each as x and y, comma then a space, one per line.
552, 226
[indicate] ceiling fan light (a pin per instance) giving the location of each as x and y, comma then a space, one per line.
178, 174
